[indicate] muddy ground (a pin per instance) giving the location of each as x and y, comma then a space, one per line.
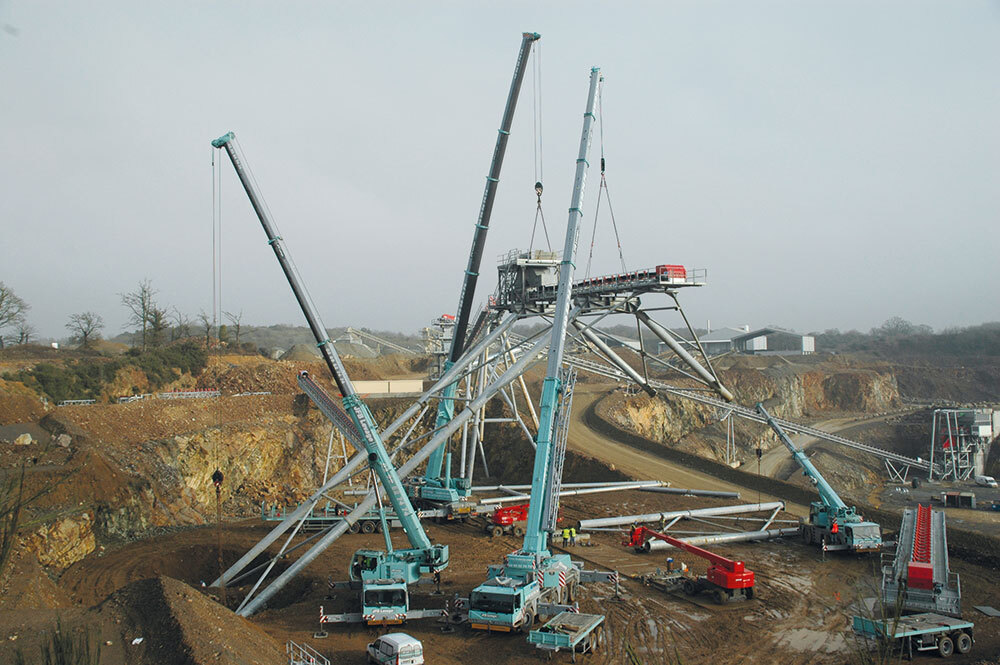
799, 615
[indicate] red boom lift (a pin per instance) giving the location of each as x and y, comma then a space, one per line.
726, 579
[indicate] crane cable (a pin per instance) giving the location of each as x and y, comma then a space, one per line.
217, 476
536, 121
603, 189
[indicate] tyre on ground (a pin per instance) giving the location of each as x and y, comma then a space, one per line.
496, 531
720, 596
519, 531
690, 588
368, 526
945, 646
963, 642
354, 528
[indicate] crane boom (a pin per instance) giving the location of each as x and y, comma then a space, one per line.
832, 522
446, 407
535, 537
641, 534
828, 495
435, 555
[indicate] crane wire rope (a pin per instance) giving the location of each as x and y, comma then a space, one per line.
603, 190
536, 121
217, 475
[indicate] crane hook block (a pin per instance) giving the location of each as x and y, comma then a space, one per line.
217, 478
223, 140
538, 188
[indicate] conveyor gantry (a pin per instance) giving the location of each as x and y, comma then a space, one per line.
528, 278
918, 578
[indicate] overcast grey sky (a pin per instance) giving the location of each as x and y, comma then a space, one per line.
830, 164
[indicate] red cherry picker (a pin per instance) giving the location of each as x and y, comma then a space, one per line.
726, 579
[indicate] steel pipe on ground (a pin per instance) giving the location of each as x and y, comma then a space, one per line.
656, 545
624, 484
625, 520
589, 490
691, 492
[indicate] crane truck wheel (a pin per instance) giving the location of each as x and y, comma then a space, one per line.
690, 588
963, 642
519, 531
748, 593
496, 531
720, 596
529, 621
571, 592
945, 646
368, 527
354, 528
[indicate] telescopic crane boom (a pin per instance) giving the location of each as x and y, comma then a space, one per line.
434, 488
832, 523
403, 566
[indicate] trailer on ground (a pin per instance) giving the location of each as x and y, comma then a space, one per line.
572, 631
918, 632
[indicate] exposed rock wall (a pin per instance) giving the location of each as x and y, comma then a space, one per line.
787, 394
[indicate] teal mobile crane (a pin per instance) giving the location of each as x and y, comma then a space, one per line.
832, 523
433, 489
383, 576
533, 580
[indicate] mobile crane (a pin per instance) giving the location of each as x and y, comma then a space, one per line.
832, 523
433, 489
533, 580
383, 576
726, 579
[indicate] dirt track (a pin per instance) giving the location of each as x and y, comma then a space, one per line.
639, 464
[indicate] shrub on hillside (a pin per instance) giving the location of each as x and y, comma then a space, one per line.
86, 379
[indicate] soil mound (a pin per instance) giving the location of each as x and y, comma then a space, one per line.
301, 352
180, 626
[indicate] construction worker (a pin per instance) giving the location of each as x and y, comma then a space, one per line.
565, 535
572, 536
834, 528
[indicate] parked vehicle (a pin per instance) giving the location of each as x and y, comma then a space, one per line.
986, 481
396, 648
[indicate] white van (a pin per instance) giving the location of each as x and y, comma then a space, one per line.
396, 648
986, 481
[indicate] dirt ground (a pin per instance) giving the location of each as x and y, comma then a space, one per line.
153, 588
799, 615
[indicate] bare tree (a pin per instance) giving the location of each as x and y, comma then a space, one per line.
237, 320
181, 325
86, 327
206, 326
12, 309
25, 332
140, 304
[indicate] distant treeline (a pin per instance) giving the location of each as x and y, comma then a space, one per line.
900, 337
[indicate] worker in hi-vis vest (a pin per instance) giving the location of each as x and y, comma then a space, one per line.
565, 536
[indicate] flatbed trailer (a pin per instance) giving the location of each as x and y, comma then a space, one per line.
575, 632
919, 632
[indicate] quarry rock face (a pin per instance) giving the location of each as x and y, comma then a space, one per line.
786, 393
63, 542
